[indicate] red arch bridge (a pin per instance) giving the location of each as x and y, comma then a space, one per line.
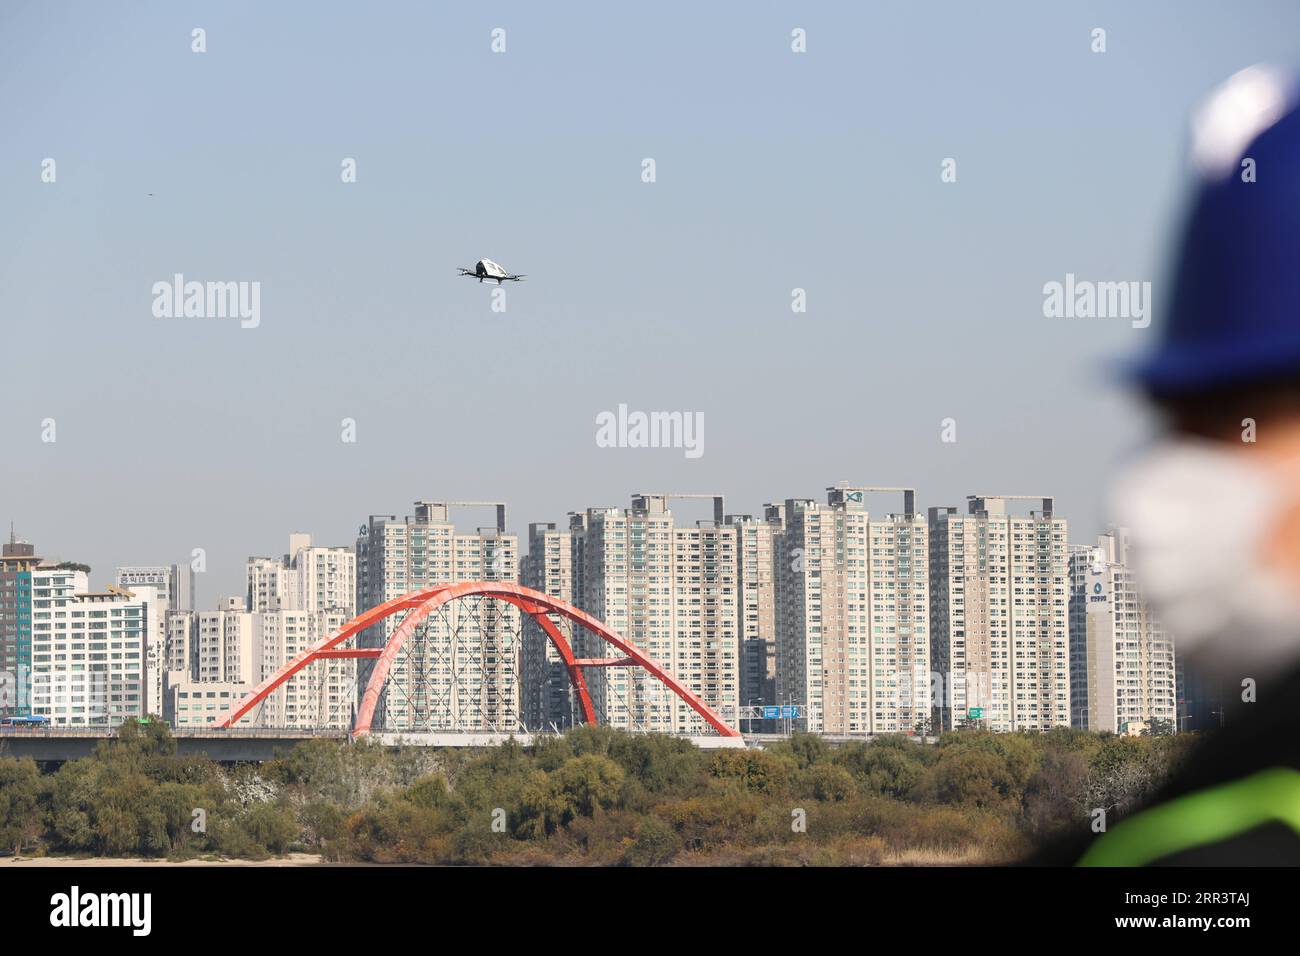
416, 611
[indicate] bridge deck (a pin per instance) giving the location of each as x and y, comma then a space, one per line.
254, 744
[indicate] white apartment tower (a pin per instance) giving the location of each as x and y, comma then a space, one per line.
90, 649
461, 670
852, 616
1000, 616
174, 582
322, 694
269, 583
212, 646
1122, 664
212, 661
673, 592
215, 657
175, 586
546, 689
307, 578
756, 583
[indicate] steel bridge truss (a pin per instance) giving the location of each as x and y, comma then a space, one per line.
461, 645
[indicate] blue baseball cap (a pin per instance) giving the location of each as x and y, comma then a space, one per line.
1234, 314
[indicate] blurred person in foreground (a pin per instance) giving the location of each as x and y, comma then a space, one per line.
1214, 505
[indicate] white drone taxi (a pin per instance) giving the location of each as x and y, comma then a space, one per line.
487, 269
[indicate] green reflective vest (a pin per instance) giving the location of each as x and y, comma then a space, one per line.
1201, 818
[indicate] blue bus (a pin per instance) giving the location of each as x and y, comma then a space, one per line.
31, 720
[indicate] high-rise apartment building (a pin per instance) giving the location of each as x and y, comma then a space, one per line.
853, 642
545, 686
17, 562
174, 582
461, 669
756, 610
212, 646
90, 649
307, 578
673, 591
175, 586
269, 583
212, 662
322, 694
1122, 667
1000, 616
216, 657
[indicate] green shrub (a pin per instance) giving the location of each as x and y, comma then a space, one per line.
654, 844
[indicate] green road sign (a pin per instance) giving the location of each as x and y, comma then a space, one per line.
975, 713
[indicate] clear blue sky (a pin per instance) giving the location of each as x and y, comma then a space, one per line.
775, 170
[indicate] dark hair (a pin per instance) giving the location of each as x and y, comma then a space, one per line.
1220, 413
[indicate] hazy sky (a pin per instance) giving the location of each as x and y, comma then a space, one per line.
775, 170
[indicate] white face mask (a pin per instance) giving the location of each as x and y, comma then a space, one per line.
1199, 516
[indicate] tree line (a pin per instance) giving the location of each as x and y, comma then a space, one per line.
592, 796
